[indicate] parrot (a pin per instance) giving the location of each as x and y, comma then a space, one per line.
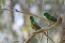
49, 17
34, 24
36, 27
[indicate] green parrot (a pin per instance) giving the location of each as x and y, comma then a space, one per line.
49, 17
34, 24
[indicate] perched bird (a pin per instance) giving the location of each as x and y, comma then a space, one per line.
49, 17
34, 25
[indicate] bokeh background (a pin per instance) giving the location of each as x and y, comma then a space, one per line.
15, 25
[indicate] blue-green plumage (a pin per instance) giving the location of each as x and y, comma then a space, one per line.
34, 24
49, 17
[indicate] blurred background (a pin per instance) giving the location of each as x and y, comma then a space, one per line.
15, 24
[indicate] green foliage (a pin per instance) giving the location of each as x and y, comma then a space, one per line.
31, 1
1, 13
2, 4
15, 1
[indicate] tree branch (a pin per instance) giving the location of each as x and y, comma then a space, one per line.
43, 31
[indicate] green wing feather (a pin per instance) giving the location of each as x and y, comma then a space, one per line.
49, 17
34, 24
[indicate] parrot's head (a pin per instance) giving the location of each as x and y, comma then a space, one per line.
46, 14
31, 18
